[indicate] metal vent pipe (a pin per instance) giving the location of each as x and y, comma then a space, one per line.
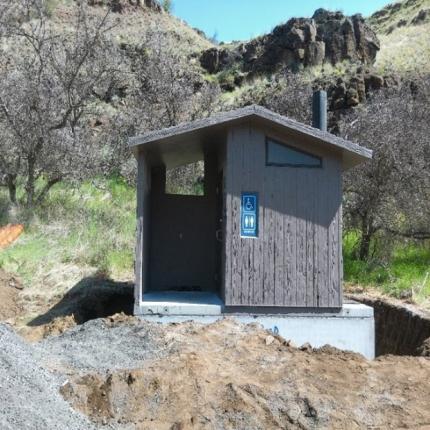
319, 110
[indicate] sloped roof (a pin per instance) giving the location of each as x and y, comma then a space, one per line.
353, 153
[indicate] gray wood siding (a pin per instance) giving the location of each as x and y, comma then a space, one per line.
142, 227
296, 261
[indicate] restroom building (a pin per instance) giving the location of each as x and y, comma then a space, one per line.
266, 233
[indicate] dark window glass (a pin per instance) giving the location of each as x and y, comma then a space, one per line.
278, 154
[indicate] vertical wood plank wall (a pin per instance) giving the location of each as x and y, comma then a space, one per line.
142, 227
297, 259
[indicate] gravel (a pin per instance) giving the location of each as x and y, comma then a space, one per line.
31, 375
101, 346
29, 393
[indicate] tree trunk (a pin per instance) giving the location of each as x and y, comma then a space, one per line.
365, 246
30, 185
367, 232
46, 189
11, 185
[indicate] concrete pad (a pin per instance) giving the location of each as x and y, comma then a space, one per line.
350, 328
180, 303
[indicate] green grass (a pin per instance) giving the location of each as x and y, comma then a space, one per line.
402, 271
90, 226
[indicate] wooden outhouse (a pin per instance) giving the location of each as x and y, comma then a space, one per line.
266, 233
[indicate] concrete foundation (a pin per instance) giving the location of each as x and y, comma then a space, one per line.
350, 328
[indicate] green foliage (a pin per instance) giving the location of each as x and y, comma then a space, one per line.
90, 225
227, 77
402, 271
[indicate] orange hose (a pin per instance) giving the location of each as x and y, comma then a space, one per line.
9, 233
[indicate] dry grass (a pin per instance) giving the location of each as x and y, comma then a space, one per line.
407, 49
405, 46
396, 14
131, 26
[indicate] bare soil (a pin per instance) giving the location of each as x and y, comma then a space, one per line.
9, 290
230, 376
124, 373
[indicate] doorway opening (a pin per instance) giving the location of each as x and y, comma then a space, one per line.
186, 239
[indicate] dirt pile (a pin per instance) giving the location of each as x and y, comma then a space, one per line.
124, 373
135, 374
9, 290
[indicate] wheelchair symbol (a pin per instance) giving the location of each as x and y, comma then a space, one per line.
249, 204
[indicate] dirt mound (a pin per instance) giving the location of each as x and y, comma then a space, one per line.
9, 289
231, 376
126, 373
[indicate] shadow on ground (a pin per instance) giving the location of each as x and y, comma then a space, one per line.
89, 299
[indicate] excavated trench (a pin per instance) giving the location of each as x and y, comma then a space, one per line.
400, 329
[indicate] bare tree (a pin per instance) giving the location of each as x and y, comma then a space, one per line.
286, 93
390, 194
168, 89
46, 91
164, 89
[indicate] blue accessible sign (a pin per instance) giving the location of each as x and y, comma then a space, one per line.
249, 215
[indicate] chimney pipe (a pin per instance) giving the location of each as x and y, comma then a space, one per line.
319, 110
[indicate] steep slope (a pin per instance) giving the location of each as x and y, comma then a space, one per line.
134, 19
404, 31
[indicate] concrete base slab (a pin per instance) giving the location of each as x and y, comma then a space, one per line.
180, 303
350, 328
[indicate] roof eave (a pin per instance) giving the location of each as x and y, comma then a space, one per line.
358, 153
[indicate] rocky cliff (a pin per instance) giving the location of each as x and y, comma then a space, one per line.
326, 37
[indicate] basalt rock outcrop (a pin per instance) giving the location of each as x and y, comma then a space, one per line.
350, 91
327, 37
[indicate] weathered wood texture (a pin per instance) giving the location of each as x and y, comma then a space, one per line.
142, 227
297, 259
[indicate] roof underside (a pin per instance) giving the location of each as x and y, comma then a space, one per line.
182, 139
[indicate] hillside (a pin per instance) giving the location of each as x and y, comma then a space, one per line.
404, 31
133, 20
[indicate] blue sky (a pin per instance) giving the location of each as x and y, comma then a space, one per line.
244, 19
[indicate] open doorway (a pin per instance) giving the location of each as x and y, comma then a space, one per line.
186, 233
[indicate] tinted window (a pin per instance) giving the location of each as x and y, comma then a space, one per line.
278, 154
